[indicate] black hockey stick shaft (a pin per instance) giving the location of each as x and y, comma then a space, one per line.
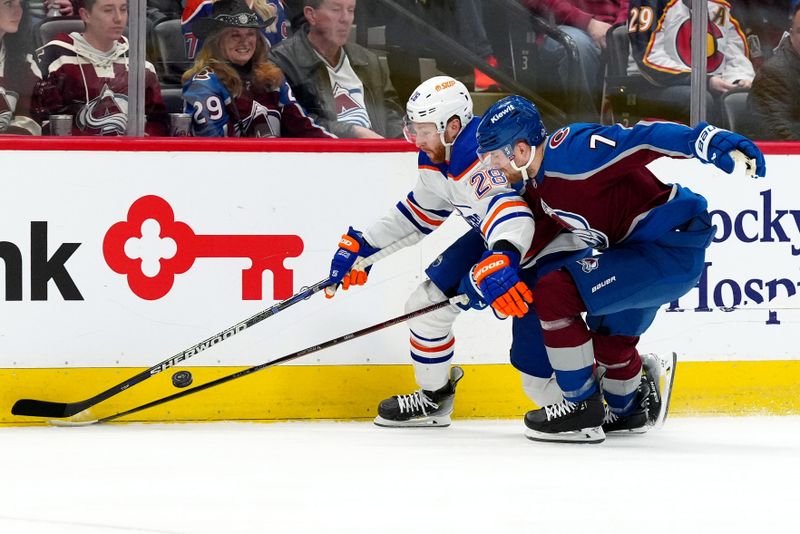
50, 410
40, 408
310, 350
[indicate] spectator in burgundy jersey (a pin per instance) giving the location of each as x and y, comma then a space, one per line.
18, 72
341, 84
233, 89
586, 22
86, 75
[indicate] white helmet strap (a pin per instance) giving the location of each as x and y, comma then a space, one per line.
524, 168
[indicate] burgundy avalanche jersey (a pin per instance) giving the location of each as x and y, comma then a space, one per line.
93, 88
594, 182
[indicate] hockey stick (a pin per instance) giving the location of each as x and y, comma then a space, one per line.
41, 408
244, 372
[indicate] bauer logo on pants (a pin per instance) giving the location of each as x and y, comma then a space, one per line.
151, 247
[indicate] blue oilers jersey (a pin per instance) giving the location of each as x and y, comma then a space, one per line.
463, 185
594, 182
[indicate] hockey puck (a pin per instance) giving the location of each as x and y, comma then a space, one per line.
181, 379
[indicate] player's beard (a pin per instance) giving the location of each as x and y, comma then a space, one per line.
437, 154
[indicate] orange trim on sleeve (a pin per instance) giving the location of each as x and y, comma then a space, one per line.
504, 206
432, 222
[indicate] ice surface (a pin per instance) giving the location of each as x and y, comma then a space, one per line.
696, 475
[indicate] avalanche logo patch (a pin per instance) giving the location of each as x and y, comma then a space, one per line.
558, 137
261, 122
107, 114
578, 225
349, 107
589, 264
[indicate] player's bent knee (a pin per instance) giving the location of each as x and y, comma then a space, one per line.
431, 323
542, 391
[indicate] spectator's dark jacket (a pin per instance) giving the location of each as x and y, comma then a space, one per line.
308, 77
775, 96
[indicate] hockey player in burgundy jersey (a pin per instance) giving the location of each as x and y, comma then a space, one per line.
451, 180
650, 238
233, 89
86, 75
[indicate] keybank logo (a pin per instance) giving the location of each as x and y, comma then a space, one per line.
42, 269
151, 248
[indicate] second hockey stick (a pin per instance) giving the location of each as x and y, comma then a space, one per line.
283, 359
49, 409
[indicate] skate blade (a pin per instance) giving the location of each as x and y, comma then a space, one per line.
422, 422
670, 363
628, 431
584, 435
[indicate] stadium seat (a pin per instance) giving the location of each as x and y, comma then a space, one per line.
172, 61
734, 109
48, 28
173, 99
620, 89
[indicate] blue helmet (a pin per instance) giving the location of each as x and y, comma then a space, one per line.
509, 120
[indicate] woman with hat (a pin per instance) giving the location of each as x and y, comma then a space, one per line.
232, 89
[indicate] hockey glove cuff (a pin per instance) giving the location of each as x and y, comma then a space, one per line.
718, 146
351, 247
469, 288
497, 277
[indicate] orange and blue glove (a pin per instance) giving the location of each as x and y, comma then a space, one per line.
352, 247
497, 279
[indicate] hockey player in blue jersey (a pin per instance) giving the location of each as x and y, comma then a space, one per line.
650, 239
501, 241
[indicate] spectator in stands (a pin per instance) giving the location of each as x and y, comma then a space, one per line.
341, 84
86, 75
274, 32
775, 97
586, 22
660, 34
39, 9
161, 10
18, 72
763, 22
233, 89
460, 20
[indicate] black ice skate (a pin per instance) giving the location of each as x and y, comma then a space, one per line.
421, 408
579, 422
659, 375
633, 423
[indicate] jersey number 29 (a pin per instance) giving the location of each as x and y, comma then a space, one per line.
214, 106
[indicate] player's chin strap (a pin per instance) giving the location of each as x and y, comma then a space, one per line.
524, 168
447, 146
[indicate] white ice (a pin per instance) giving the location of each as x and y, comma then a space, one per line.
696, 475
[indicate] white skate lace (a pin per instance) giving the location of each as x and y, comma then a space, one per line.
559, 410
609, 417
416, 402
